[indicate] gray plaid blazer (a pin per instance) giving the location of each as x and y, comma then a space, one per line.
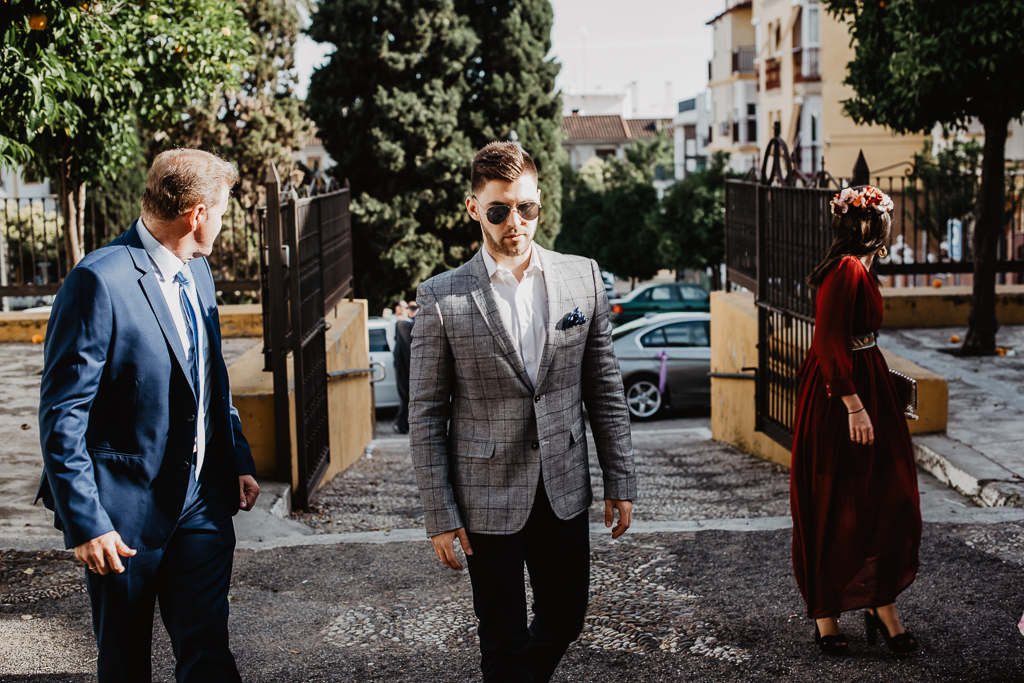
481, 434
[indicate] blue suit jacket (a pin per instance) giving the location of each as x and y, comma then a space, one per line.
117, 410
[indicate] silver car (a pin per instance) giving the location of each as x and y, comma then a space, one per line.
679, 341
382, 347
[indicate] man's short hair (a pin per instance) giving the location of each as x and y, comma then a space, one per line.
179, 179
501, 161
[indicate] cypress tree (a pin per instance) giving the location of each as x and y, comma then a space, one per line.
512, 88
413, 89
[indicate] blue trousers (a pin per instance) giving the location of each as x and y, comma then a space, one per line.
190, 577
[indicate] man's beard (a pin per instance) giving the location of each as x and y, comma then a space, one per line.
500, 248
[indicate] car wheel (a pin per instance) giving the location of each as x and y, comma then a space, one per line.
643, 398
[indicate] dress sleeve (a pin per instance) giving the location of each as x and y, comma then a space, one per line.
833, 327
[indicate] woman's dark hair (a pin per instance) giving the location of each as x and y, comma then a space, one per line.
858, 232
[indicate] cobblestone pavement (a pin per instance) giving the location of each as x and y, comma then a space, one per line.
679, 478
707, 606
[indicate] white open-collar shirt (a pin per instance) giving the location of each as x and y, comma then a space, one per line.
167, 266
523, 308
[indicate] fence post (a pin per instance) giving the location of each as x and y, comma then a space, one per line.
278, 322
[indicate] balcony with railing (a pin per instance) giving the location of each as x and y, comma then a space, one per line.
743, 60
807, 64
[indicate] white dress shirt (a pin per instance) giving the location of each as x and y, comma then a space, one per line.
523, 308
166, 269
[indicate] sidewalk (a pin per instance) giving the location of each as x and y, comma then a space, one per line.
982, 453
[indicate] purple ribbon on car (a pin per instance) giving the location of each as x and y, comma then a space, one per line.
663, 373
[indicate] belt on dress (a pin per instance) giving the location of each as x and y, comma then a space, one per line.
864, 341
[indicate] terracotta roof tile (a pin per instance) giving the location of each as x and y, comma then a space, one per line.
648, 128
611, 127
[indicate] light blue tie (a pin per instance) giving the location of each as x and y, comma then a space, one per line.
187, 294
184, 279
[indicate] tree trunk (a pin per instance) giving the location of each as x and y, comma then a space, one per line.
716, 277
72, 207
988, 228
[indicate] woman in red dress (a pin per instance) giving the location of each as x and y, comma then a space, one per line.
853, 485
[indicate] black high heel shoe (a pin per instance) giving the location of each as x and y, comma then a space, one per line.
831, 645
901, 643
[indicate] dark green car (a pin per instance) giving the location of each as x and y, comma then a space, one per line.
655, 298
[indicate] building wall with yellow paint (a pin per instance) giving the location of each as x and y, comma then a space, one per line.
810, 49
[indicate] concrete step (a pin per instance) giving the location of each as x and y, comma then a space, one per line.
970, 472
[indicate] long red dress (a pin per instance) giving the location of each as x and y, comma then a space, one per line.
856, 510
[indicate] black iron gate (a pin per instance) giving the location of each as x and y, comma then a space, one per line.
777, 231
306, 270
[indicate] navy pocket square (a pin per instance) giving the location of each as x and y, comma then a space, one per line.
573, 319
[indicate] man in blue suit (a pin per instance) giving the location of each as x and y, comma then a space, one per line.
144, 458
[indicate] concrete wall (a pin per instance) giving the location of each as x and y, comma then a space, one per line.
733, 412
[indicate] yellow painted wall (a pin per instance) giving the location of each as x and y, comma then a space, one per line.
252, 392
235, 321
733, 412
842, 138
946, 306
349, 399
733, 347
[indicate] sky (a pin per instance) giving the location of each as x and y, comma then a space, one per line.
603, 45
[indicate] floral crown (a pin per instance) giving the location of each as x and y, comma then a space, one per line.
868, 197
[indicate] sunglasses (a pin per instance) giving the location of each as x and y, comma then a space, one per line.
496, 215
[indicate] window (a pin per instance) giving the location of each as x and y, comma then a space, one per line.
313, 162
604, 154
691, 293
664, 293
654, 338
378, 341
678, 335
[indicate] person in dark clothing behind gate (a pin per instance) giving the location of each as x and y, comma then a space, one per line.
403, 344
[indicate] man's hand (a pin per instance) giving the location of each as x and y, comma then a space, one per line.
103, 554
625, 508
248, 492
444, 547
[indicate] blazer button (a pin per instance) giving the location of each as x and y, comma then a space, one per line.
534, 445
191, 418
185, 465
536, 399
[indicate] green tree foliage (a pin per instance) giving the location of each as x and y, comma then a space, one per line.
75, 77
692, 220
920, 63
256, 119
610, 214
413, 89
948, 182
511, 87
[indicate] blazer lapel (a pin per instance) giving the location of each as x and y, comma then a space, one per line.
484, 297
553, 289
155, 296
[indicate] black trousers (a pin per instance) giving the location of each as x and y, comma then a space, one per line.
190, 577
557, 555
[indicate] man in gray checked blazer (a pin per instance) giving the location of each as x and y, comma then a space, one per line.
506, 351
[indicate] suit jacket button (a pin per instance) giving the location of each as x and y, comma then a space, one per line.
534, 445
536, 399
185, 465
191, 418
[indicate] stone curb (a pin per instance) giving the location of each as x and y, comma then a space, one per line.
969, 472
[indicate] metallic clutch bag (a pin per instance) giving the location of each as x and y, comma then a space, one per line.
906, 390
